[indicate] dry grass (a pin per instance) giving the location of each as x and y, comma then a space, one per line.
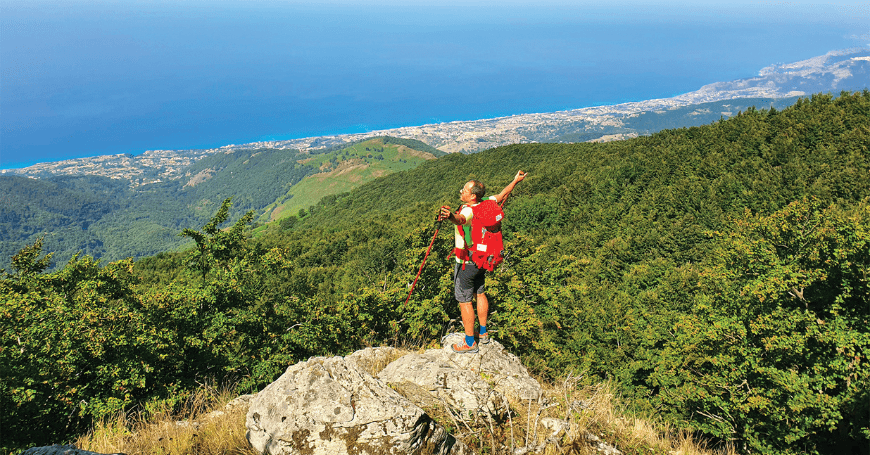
373, 365
594, 415
596, 421
205, 425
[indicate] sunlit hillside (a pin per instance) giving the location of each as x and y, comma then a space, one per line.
714, 277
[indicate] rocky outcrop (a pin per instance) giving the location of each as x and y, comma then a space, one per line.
336, 406
475, 383
333, 406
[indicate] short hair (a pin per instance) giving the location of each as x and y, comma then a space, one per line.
477, 189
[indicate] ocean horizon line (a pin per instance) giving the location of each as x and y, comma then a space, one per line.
339, 133
359, 131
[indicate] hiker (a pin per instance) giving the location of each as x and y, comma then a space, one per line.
468, 278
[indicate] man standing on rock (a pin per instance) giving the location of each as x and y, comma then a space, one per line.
467, 277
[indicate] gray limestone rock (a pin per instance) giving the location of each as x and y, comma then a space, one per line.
240, 401
332, 406
473, 383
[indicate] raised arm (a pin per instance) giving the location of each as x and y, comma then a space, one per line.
507, 190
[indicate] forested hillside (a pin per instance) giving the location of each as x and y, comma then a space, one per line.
109, 219
64, 207
716, 274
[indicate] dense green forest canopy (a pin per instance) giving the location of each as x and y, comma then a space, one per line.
718, 275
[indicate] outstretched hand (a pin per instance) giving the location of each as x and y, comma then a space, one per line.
444, 213
520, 176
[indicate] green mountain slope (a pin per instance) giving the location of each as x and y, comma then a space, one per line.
700, 114
62, 210
678, 264
107, 219
347, 168
275, 183
715, 275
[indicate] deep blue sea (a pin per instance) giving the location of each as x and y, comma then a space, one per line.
85, 78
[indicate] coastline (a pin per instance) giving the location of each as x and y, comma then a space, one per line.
845, 69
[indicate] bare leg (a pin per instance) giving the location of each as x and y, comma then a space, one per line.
482, 309
467, 310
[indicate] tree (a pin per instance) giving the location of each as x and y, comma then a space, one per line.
26, 261
214, 247
75, 348
777, 356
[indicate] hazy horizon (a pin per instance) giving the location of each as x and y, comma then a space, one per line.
98, 78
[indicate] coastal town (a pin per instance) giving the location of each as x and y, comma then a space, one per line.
832, 72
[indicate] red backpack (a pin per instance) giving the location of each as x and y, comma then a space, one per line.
487, 247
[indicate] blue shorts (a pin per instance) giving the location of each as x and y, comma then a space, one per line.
467, 282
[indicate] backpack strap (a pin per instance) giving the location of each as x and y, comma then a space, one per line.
464, 253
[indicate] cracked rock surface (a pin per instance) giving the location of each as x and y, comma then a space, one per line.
332, 406
469, 382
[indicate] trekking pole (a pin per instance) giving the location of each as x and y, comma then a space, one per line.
438, 221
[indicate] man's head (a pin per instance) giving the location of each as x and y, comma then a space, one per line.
472, 191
